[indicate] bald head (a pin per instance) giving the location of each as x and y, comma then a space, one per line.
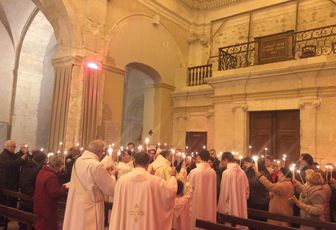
10, 145
97, 147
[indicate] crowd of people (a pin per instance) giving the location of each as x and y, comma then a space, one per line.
161, 188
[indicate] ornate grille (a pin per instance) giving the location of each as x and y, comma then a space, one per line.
308, 43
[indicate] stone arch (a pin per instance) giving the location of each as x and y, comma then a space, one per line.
34, 83
62, 17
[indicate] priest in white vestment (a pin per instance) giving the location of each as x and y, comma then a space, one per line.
234, 189
89, 182
123, 167
143, 201
162, 165
203, 179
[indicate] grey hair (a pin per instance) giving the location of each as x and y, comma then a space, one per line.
56, 161
96, 146
8, 143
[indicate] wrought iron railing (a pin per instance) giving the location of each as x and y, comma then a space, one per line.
198, 74
308, 43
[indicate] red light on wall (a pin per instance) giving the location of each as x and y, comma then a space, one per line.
92, 65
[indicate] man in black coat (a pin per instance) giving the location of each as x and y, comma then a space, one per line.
10, 169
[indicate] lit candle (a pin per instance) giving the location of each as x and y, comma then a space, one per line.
240, 160
81, 149
299, 172
266, 149
173, 156
147, 142
110, 151
140, 148
284, 157
77, 145
292, 168
183, 156
41, 149
204, 147
255, 159
250, 150
118, 154
331, 172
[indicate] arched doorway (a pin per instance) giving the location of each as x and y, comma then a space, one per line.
139, 104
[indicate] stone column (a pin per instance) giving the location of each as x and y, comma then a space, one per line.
67, 102
239, 128
308, 125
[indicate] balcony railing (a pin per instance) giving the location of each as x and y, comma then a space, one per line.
198, 74
308, 43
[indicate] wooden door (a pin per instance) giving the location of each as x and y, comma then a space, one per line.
195, 141
278, 131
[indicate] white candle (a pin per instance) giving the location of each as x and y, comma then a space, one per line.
255, 159
173, 156
140, 148
41, 149
250, 150
292, 168
147, 142
240, 160
204, 147
299, 172
110, 151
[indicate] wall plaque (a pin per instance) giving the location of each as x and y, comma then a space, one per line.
274, 48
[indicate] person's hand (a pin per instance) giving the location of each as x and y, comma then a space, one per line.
294, 200
257, 173
24, 156
173, 172
294, 181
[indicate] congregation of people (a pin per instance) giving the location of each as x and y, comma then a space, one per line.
161, 188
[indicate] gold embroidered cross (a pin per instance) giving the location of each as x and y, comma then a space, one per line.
136, 212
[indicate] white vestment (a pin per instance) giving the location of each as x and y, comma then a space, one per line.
161, 166
85, 203
123, 168
143, 202
203, 180
234, 192
182, 209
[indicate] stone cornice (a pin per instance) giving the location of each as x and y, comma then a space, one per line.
113, 69
277, 94
67, 60
165, 86
199, 91
208, 4
278, 69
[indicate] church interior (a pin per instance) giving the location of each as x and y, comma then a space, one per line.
248, 76
239, 78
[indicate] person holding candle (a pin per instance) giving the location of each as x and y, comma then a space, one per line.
162, 165
203, 180
311, 201
123, 167
259, 197
280, 192
235, 190
90, 181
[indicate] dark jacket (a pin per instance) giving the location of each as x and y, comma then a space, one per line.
259, 196
47, 192
10, 170
28, 175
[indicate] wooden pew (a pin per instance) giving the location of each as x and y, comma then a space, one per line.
292, 219
260, 225
212, 226
18, 215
